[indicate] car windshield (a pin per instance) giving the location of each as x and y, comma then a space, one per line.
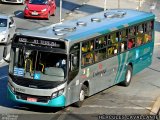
38, 65
3, 22
38, 2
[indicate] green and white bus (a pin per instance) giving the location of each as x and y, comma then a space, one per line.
63, 63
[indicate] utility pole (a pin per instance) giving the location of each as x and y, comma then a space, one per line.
140, 4
118, 4
60, 14
105, 4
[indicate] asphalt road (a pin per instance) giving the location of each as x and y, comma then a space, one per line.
138, 98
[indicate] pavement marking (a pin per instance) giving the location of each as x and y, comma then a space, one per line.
115, 107
156, 107
62, 116
128, 100
18, 13
3, 77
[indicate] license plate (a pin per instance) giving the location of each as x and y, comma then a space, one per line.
34, 13
31, 99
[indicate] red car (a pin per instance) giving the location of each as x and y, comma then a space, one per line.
39, 9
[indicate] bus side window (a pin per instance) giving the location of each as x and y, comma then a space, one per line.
87, 46
114, 38
109, 40
87, 59
131, 31
100, 42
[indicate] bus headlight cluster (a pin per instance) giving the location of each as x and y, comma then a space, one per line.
11, 87
57, 93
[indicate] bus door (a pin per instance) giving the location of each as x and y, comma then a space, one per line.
112, 70
73, 78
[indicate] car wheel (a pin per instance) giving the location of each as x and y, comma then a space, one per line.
25, 17
128, 77
1, 2
54, 13
82, 96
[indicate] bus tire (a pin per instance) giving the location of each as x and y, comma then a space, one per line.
128, 76
82, 96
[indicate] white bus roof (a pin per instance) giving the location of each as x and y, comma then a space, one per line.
92, 25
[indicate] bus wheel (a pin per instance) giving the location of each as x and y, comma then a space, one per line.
81, 96
128, 76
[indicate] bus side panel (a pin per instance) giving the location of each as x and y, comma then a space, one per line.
147, 51
103, 75
143, 57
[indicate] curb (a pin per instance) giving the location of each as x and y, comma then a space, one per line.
156, 107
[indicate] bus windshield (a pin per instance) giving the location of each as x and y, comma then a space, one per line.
38, 65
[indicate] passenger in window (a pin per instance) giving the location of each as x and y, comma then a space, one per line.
89, 58
84, 48
96, 56
146, 38
139, 41
110, 51
91, 46
122, 47
115, 50
62, 64
120, 37
130, 43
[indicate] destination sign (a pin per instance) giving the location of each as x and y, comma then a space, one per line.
41, 42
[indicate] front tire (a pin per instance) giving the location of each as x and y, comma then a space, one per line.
128, 77
82, 96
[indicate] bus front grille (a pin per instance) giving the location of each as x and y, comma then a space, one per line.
22, 96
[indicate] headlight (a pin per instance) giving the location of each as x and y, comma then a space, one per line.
44, 10
3, 32
58, 93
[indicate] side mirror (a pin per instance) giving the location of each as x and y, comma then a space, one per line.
6, 56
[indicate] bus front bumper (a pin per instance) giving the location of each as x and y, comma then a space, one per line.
56, 102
